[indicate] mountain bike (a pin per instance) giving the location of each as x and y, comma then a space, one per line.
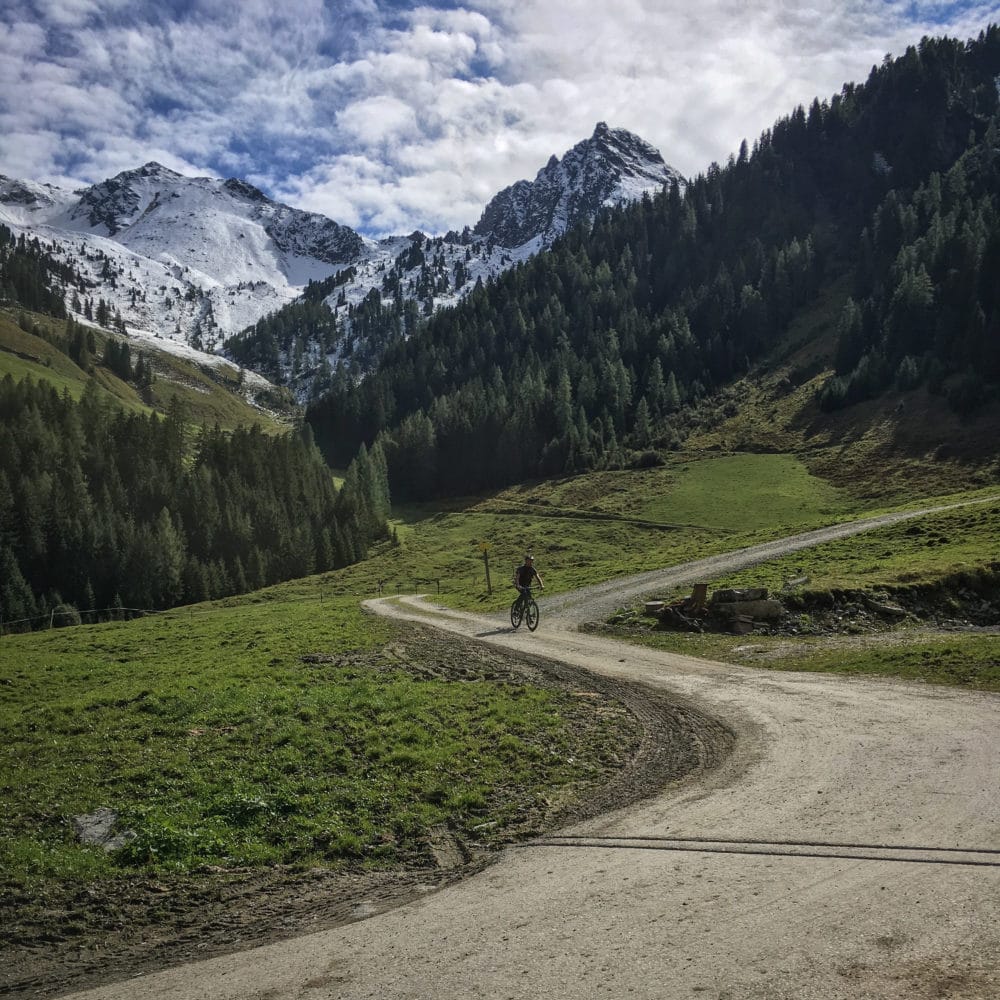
524, 609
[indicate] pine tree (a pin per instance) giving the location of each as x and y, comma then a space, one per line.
642, 430
16, 599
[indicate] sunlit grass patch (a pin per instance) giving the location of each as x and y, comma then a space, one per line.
262, 734
748, 493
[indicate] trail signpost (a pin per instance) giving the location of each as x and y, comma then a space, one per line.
484, 547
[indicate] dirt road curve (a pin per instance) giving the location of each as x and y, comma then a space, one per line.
848, 848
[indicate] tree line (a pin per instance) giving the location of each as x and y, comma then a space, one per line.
30, 277
100, 508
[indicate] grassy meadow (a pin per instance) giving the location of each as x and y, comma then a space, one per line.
269, 733
280, 729
209, 395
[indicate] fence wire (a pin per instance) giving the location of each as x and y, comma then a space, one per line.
98, 616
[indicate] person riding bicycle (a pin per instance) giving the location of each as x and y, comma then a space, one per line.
526, 574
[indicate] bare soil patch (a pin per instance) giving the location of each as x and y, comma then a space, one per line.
75, 937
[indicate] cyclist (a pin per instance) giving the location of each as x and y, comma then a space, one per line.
525, 575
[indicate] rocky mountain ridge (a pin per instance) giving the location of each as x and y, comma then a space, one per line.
196, 260
610, 167
127, 206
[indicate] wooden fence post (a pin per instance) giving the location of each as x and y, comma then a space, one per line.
485, 549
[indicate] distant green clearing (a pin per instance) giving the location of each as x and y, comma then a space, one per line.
737, 493
749, 493
218, 744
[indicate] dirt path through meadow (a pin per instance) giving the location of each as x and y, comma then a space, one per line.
848, 847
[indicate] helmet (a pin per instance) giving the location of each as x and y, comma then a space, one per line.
527, 556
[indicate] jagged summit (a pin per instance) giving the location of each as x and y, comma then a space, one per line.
152, 169
630, 155
113, 204
612, 166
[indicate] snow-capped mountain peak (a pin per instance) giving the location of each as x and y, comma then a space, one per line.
198, 220
116, 203
196, 260
612, 166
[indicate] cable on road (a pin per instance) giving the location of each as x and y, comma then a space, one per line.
906, 854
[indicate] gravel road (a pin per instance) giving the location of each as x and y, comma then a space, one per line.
848, 847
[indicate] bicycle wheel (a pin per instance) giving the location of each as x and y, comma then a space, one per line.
531, 615
515, 613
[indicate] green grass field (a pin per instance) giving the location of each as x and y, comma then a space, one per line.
219, 744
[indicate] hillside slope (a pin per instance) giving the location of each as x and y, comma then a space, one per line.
210, 390
864, 232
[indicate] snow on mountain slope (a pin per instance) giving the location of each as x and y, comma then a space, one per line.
25, 203
610, 167
192, 259
226, 230
196, 259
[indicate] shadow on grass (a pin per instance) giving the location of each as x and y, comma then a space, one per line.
416, 513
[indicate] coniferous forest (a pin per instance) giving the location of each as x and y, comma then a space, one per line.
27, 272
888, 193
102, 510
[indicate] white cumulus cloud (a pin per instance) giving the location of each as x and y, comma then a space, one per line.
392, 117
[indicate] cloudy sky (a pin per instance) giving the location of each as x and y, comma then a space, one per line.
389, 116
